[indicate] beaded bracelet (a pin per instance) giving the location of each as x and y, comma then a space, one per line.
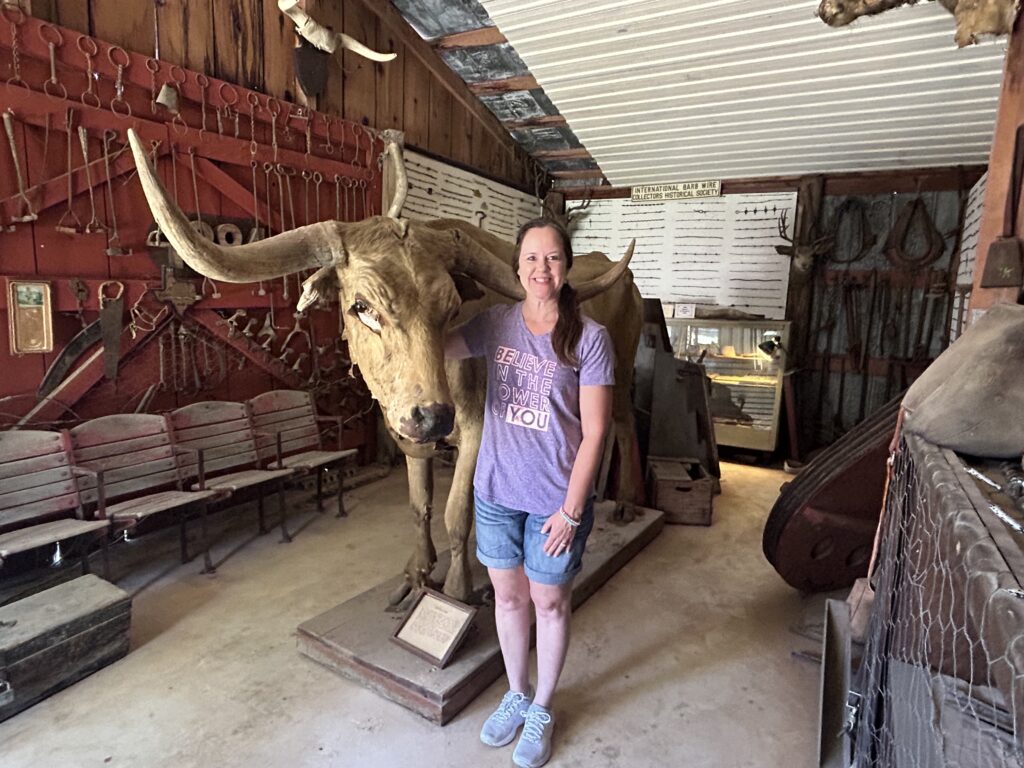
569, 520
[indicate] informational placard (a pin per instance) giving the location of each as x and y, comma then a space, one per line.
686, 190
30, 317
712, 252
434, 627
441, 191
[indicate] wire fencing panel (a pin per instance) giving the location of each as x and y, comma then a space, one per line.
942, 677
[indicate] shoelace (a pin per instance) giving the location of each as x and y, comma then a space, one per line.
509, 703
535, 722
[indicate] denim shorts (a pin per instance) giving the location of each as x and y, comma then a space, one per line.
508, 538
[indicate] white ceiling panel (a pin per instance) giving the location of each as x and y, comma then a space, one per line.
666, 90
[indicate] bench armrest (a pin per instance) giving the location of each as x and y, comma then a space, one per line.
338, 421
277, 444
101, 489
200, 463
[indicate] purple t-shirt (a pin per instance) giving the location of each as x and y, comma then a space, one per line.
532, 427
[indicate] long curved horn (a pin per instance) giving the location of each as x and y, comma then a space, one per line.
368, 53
592, 288
485, 267
314, 245
401, 180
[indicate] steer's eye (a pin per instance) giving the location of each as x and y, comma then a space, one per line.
366, 314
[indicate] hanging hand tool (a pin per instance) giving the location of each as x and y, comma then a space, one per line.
94, 225
68, 356
297, 367
297, 330
76, 227
269, 331
27, 212
163, 370
115, 237
249, 330
232, 322
111, 315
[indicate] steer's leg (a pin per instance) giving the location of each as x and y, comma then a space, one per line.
421, 500
458, 514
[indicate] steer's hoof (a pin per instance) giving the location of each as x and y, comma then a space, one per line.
396, 598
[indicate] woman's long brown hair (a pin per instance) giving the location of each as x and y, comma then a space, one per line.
569, 327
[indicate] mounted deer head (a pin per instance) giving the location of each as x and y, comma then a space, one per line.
802, 254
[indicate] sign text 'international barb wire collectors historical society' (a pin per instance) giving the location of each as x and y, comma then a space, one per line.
683, 191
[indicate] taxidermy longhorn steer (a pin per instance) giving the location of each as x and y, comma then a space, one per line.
401, 286
973, 17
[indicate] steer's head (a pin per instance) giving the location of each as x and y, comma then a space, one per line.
400, 285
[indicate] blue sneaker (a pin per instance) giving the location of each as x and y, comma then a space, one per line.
534, 747
500, 728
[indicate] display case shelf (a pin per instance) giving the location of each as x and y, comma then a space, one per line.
745, 361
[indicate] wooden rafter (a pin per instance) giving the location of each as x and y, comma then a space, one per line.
562, 154
535, 122
495, 87
470, 39
584, 174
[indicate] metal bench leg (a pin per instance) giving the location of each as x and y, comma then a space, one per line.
208, 566
259, 510
182, 518
341, 488
105, 538
319, 489
285, 536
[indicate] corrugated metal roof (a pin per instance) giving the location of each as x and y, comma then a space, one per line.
665, 90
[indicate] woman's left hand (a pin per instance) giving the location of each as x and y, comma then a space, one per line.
560, 535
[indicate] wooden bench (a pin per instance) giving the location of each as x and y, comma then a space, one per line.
222, 434
40, 503
141, 474
288, 436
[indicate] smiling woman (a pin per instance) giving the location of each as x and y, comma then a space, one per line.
549, 396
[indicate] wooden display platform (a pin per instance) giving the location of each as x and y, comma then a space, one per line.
353, 638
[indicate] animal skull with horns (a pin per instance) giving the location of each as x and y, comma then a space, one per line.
402, 285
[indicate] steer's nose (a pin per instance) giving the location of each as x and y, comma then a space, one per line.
428, 423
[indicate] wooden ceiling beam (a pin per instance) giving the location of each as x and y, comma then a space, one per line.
836, 184
496, 87
585, 174
535, 122
562, 154
470, 39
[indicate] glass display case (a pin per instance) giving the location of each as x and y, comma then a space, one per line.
745, 360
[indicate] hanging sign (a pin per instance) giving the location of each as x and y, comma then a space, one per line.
683, 191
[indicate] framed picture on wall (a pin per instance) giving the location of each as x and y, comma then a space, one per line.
29, 316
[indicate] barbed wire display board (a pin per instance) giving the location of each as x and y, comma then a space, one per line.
711, 252
441, 191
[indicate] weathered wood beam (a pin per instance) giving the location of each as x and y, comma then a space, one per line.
562, 154
587, 174
856, 183
470, 38
535, 122
495, 87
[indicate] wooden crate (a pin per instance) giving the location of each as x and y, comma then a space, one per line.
54, 638
681, 489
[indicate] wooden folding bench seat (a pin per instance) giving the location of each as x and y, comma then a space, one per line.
288, 435
140, 467
40, 503
222, 432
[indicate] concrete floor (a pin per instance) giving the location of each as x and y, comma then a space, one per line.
684, 658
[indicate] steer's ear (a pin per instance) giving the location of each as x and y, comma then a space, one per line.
467, 288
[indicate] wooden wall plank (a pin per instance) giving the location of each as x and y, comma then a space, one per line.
73, 14
462, 134
331, 14
390, 82
439, 133
417, 103
279, 40
134, 31
186, 34
360, 74
238, 42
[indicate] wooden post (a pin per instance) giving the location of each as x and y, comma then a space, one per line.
1009, 116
